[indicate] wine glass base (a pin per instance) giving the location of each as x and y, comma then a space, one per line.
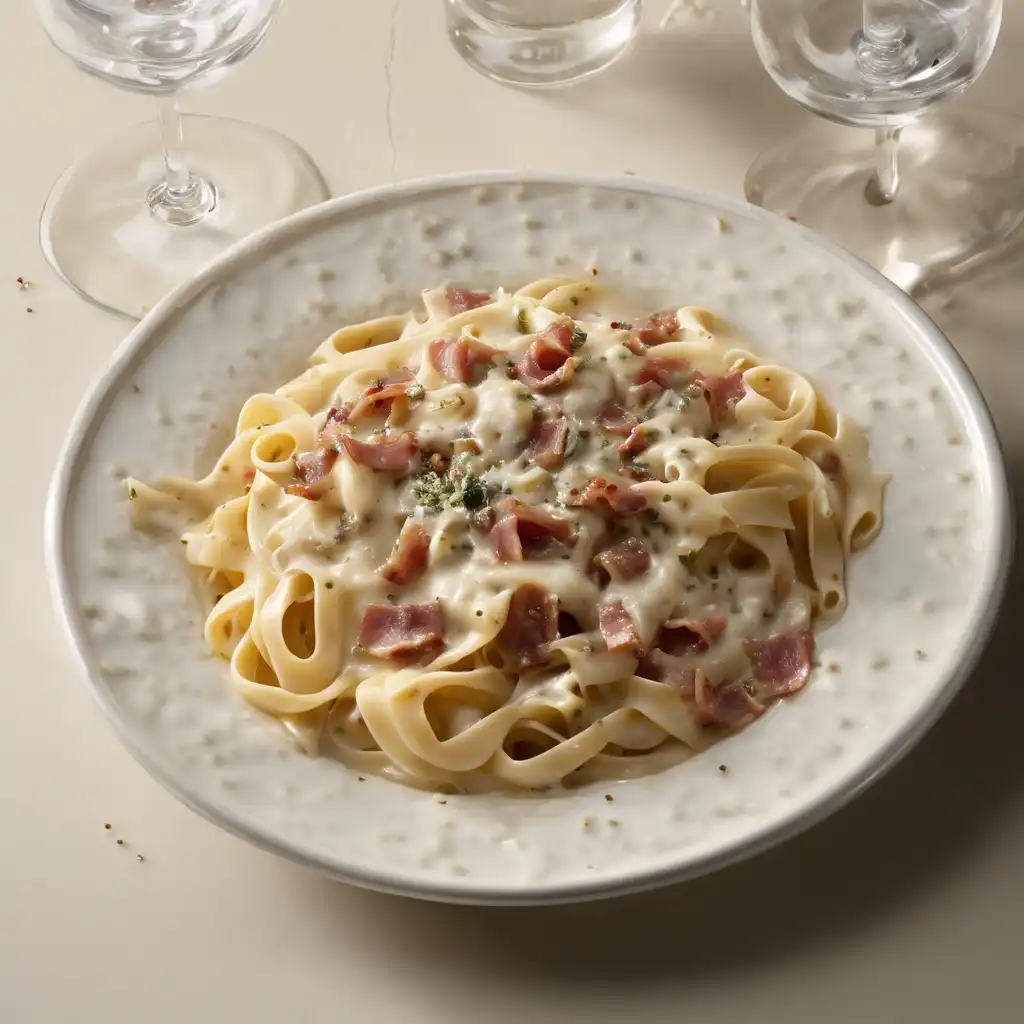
100, 235
961, 190
543, 56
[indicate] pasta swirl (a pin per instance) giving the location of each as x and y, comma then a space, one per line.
525, 539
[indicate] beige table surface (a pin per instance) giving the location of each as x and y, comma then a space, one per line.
906, 907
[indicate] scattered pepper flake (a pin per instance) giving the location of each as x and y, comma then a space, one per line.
107, 825
29, 309
139, 857
609, 797
120, 842
723, 768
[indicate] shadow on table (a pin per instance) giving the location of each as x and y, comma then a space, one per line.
640, 96
912, 832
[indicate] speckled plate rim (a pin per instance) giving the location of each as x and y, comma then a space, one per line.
994, 570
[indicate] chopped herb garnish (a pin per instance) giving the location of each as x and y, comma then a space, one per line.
525, 396
415, 391
474, 496
666, 497
329, 585
574, 300
688, 561
522, 320
132, 494
578, 338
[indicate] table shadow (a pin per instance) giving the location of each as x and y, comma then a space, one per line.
738, 100
909, 834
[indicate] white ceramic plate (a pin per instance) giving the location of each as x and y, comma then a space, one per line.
923, 597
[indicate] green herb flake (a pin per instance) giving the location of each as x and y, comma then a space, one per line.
688, 561
522, 320
578, 337
132, 494
525, 396
474, 496
574, 299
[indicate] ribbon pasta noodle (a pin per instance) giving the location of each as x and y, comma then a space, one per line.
526, 539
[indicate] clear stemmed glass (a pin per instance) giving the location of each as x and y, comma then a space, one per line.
124, 224
926, 191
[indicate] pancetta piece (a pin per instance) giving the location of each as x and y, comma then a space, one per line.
624, 561
617, 627
530, 626
394, 455
782, 663
394, 630
460, 300
409, 558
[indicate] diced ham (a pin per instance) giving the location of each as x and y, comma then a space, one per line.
730, 705
302, 491
624, 561
666, 371
460, 300
681, 637
505, 540
657, 328
782, 663
377, 398
623, 501
635, 443
409, 558
548, 362
530, 626
616, 420
664, 668
394, 454
641, 395
312, 467
334, 427
635, 345
390, 630
617, 627
458, 358
547, 441
723, 393
524, 531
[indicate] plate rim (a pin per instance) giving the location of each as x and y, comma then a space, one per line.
928, 336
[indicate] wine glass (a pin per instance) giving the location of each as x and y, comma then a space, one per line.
926, 191
124, 224
541, 42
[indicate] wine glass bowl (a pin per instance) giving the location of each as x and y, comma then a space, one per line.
928, 189
918, 53
122, 226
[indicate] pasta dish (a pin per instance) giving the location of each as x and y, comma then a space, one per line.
525, 539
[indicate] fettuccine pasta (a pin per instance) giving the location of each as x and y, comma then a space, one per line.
525, 539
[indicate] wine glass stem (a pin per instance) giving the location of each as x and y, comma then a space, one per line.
887, 169
884, 50
182, 198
